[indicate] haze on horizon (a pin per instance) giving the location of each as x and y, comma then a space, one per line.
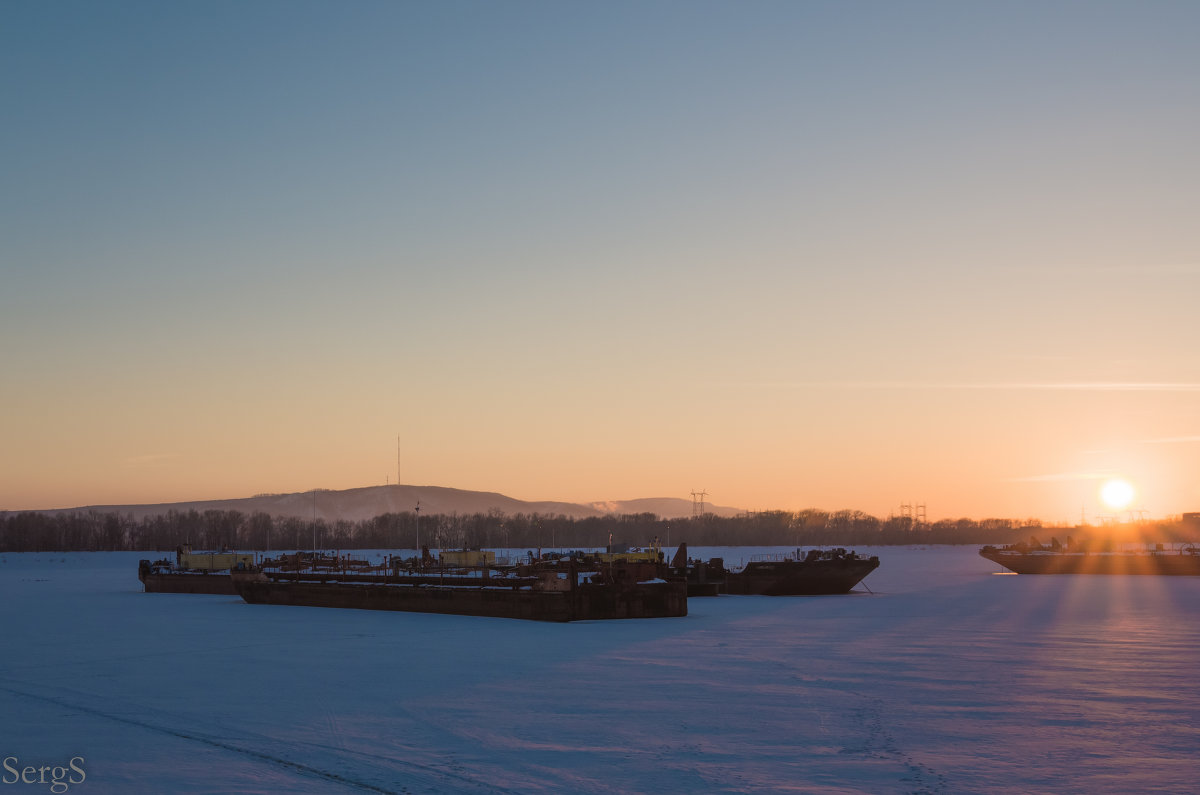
820, 254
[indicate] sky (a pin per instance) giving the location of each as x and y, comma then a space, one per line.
844, 255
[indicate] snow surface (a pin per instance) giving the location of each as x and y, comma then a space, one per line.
947, 678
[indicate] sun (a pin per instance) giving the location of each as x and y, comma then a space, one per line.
1116, 494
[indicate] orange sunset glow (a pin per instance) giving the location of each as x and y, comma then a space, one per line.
791, 259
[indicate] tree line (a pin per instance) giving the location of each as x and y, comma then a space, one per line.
213, 529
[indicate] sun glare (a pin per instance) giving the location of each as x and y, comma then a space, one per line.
1116, 494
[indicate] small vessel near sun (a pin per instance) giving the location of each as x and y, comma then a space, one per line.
193, 572
1073, 558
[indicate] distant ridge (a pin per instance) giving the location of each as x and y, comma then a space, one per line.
355, 505
663, 507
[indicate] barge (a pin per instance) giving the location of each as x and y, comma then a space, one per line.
193, 572
819, 572
815, 573
569, 590
1034, 558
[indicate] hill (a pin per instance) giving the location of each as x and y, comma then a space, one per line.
364, 503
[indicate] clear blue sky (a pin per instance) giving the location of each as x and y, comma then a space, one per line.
799, 254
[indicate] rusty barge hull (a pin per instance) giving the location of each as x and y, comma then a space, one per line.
584, 603
1095, 562
800, 578
189, 583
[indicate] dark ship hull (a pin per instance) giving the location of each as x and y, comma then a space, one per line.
551, 598
1026, 561
800, 577
702, 581
189, 583
818, 573
157, 579
193, 572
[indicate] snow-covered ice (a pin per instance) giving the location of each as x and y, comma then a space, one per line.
947, 678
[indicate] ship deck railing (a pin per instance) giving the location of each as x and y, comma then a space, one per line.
771, 557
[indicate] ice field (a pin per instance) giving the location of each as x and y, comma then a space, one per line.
947, 677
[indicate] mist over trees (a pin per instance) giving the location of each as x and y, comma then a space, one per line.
212, 529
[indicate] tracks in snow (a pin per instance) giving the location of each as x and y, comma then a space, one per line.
881, 744
424, 777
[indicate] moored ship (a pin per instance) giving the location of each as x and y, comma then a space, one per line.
571, 589
193, 572
818, 572
1055, 558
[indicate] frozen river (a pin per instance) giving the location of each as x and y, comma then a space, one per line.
947, 678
